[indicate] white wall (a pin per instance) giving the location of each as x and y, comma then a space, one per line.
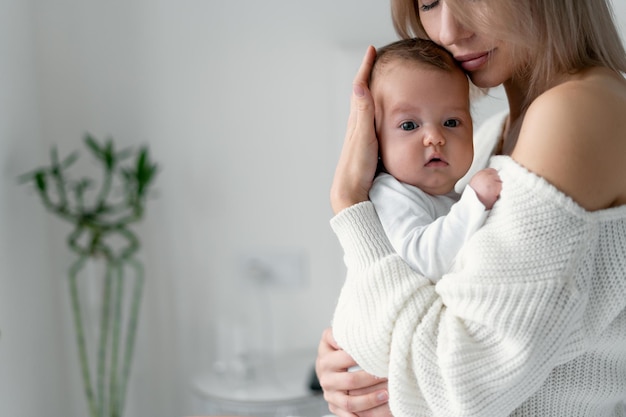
31, 333
244, 105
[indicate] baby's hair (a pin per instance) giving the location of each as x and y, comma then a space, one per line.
420, 51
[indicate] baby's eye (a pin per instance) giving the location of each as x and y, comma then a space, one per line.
452, 123
408, 126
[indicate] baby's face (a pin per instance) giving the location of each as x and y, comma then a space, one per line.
423, 124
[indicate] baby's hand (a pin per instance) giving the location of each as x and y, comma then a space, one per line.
487, 186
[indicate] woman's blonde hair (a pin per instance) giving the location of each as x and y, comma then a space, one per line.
549, 37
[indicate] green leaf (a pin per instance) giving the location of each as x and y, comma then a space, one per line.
145, 169
40, 180
55, 168
109, 154
109, 147
69, 160
151, 172
141, 159
29, 176
93, 145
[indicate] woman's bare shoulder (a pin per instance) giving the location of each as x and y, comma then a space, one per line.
574, 135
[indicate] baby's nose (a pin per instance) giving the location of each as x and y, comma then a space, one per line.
433, 137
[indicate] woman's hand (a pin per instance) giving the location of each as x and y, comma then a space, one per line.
348, 393
359, 156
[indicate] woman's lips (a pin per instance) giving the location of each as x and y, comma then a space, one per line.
474, 61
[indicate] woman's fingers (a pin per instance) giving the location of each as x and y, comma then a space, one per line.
348, 393
363, 74
373, 394
331, 371
329, 340
360, 86
371, 385
350, 401
359, 157
364, 136
361, 103
380, 411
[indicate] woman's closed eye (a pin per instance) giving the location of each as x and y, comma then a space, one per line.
426, 7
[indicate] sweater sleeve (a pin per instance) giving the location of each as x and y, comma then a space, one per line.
485, 337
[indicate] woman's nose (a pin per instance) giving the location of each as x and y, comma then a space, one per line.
451, 31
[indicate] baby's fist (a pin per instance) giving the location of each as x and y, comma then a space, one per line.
487, 185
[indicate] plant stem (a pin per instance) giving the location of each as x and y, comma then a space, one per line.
131, 331
114, 389
104, 334
105, 189
80, 334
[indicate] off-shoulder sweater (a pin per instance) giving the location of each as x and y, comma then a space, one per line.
531, 320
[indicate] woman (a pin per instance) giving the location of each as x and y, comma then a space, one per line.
531, 321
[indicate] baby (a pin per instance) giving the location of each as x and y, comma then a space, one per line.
424, 128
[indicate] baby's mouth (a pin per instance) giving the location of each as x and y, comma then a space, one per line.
436, 161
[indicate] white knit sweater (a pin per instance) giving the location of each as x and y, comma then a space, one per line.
531, 321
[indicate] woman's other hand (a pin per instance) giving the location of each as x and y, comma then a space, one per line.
359, 156
348, 393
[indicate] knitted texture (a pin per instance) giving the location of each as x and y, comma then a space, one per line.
531, 320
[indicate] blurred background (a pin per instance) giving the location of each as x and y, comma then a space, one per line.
243, 105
